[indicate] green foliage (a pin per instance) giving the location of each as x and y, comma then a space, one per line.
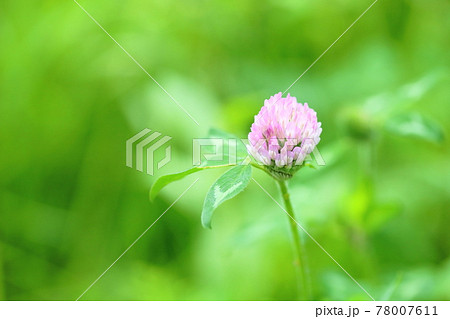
165, 180
70, 98
226, 187
415, 125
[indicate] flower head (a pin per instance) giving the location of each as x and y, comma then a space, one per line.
284, 133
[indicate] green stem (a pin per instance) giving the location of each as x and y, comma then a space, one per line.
301, 267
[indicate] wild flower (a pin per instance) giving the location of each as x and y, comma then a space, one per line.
283, 134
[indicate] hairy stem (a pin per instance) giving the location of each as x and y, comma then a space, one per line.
301, 267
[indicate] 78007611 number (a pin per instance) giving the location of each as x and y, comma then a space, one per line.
406, 310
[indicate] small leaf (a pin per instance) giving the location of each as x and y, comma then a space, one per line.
310, 164
227, 186
386, 104
165, 180
414, 124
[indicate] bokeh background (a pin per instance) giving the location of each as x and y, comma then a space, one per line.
70, 98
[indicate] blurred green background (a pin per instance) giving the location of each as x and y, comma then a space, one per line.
70, 98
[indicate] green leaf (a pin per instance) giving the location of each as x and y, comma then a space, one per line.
415, 125
226, 187
310, 164
386, 104
165, 180
241, 155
